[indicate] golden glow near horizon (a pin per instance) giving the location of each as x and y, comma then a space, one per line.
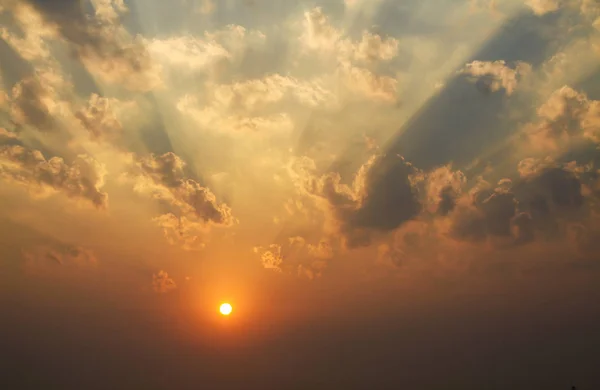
225, 309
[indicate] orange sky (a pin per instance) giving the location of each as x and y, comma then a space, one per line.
390, 194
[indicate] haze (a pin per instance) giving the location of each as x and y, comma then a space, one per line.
390, 194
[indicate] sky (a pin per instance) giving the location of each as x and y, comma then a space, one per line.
390, 194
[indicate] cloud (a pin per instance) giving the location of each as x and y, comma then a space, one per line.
162, 283
566, 117
318, 32
379, 198
542, 7
270, 257
165, 179
82, 179
496, 75
375, 87
181, 231
99, 118
31, 44
296, 256
256, 105
61, 255
189, 52
439, 188
101, 43
191, 208
214, 55
487, 213
321, 38
408, 244
37, 101
8, 138
257, 93
372, 47
548, 202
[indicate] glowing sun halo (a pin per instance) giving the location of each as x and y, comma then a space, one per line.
225, 309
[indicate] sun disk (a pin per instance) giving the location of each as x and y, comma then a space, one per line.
225, 309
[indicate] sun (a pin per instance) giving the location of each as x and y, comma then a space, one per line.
225, 309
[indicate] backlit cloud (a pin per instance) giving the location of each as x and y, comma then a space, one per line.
492, 76
82, 179
162, 283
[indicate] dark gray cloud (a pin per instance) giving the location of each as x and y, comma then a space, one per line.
389, 199
378, 200
539, 206
490, 214
447, 201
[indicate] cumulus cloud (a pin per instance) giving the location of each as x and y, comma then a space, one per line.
8, 137
372, 47
297, 256
488, 213
167, 182
82, 179
270, 257
547, 202
162, 283
567, 116
32, 43
320, 35
190, 205
37, 101
99, 118
379, 198
366, 83
101, 43
492, 76
440, 188
181, 231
